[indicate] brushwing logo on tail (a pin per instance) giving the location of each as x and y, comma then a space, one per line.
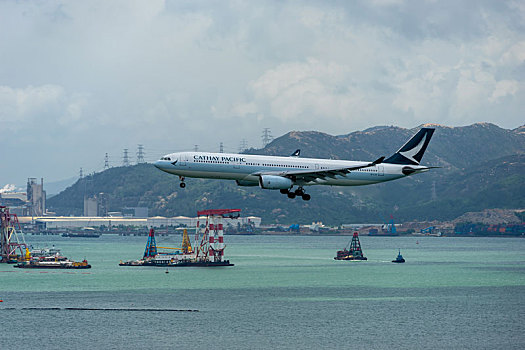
411, 153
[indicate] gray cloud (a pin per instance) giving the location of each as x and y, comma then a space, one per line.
79, 79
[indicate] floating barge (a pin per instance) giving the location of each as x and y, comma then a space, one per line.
354, 252
209, 245
180, 263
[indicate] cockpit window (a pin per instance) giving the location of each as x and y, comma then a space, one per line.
165, 158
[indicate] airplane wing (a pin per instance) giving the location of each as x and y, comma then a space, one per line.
312, 175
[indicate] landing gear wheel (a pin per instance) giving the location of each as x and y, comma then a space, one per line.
299, 192
182, 185
306, 197
291, 195
284, 191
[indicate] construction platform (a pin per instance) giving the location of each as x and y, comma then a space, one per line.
354, 252
208, 245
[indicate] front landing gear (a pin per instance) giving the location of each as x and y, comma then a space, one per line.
299, 192
182, 184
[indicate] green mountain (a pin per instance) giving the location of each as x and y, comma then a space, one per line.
483, 167
454, 148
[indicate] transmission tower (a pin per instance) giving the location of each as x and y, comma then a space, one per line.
196, 148
125, 158
140, 154
243, 145
221, 148
266, 137
80, 174
106, 162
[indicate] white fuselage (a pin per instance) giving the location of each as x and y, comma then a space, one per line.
247, 168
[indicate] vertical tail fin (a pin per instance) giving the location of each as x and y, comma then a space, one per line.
413, 150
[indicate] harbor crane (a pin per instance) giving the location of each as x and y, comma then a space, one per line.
12, 242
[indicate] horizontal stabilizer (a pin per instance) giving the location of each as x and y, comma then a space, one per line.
296, 153
408, 170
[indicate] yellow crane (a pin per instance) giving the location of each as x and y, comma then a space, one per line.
186, 245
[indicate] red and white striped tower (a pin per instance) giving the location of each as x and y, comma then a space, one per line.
197, 231
220, 246
212, 247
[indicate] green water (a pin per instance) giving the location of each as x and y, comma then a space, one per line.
284, 292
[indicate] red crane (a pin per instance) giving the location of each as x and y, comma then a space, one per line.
209, 248
12, 247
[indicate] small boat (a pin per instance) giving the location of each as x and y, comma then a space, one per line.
81, 235
399, 258
86, 232
57, 262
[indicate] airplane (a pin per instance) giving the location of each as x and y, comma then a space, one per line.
283, 173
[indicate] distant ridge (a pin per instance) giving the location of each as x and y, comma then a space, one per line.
453, 147
375, 128
520, 130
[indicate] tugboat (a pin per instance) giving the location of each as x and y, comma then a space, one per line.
399, 258
354, 253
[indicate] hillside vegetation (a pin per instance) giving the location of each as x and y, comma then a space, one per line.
482, 168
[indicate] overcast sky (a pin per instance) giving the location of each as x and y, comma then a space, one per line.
82, 78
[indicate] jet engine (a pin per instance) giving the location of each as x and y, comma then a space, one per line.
273, 182
246, 183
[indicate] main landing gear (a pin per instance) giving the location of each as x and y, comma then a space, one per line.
298, 192
182, 184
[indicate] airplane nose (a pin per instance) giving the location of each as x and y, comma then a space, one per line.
163, 164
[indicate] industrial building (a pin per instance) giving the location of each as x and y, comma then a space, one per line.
29, 203
96, 205
36, 197
79, 222
135, 212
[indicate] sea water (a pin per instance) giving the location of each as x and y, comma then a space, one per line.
284, 292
